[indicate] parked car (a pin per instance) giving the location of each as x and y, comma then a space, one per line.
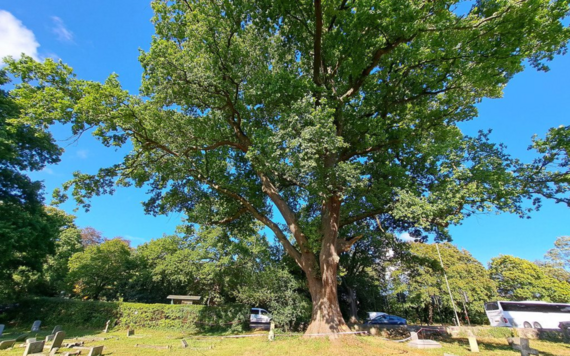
372, 315
259, 315
387, 319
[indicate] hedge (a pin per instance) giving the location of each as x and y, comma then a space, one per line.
94, 315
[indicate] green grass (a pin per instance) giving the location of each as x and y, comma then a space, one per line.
117, 343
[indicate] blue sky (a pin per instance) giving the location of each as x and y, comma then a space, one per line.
100, 37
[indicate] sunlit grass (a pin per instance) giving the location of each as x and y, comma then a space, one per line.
117, 343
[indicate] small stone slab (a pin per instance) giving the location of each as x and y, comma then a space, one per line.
73, 353
473, 344
96, 351
157, 347
36, 325
424, 344
34, 347
22, 337
130, 332
184, 343
414, 336
1, 329
107, 326
6, 344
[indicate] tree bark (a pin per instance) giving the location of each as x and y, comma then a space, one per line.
327, 318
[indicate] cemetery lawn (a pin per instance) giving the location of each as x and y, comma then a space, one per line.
118, 344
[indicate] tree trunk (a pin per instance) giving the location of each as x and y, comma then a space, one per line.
326, 318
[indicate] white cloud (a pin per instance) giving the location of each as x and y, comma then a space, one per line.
82, 154
63, 34
406, 237
48, 171
16, 38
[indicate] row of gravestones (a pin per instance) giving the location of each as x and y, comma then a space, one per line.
34, 346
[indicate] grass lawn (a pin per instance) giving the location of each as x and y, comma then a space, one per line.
117, 343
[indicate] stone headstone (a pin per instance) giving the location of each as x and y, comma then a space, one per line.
6, 344
57, 340
1, 329
271, 335
473, 344
130, 332
56, 329
414, 335
34, 347
36, 325
184, 343
30, 340
96, 351
424, 344
525, 348
107, 326
21, 338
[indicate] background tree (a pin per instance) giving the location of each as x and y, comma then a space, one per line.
101, 271
27, 231
560, 254
338, 117
519, 279
422, 281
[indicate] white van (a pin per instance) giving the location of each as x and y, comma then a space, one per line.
259, 315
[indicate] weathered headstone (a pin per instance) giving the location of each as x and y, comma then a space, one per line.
22, 337
107, 326
36, 325
130, 332
525, 348
424, 344
1, 329
6, 344
34, 347
31, 339
73, 353
473, 344
271, 335
96, 351
57, 340
414, 336
184, 343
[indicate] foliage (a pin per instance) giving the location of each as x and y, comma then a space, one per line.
519, 279
549, 174
341, 119
560, 254
424, 280
27, 231
50, 279
94, 314
101, 271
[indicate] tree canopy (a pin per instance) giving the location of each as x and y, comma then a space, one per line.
27, 231
323, 120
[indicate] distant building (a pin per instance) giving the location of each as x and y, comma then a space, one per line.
184, 299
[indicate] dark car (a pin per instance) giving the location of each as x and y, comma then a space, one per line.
387, 320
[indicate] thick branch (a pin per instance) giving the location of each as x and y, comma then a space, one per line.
373, 63
318, 42
289, 216
352, 219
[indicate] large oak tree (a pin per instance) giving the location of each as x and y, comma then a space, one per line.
323, 120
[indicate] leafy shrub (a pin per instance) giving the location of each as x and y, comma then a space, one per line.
92, 314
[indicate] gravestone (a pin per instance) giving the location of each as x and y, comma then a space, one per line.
525, 348
34, 347
130, 332
22, 337
36, 325
107, 326
57, 340
184, 343
424, 344
271, 335
414, 336
473, 344
53, 332
1, 329
31, 339
96, 351
6, 344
